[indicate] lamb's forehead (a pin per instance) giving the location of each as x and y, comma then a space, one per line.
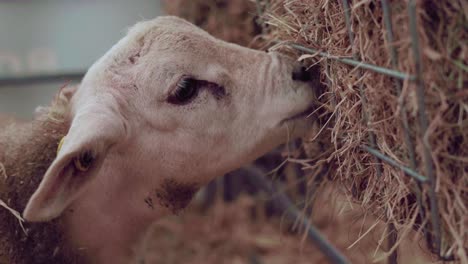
168, 34
162, 38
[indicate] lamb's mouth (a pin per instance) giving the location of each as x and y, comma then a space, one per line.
302, 115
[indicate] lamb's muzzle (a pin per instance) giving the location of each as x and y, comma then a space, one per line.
301, 73
163, 112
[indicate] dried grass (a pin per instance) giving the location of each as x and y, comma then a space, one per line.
228, 233
387, 192
3, 171
15, 213
230, 20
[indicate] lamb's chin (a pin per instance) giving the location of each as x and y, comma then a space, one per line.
298, 126
301, 128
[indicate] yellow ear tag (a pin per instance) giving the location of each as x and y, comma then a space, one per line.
60, 145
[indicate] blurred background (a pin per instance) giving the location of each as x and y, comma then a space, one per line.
48, 43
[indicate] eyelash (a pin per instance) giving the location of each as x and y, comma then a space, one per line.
187, 89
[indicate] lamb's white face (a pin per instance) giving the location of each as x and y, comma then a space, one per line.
167, 109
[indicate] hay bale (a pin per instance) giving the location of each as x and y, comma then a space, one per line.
361, 107
230, 20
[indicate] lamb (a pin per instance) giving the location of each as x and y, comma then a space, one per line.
163, 112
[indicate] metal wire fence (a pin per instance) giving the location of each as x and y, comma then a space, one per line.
425, 182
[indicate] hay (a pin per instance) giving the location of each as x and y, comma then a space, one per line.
240, 232
230, 20
15, 214
361, 107
3, 171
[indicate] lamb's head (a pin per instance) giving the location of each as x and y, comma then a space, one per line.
167, 109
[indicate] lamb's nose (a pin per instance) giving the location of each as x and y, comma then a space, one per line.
300, 73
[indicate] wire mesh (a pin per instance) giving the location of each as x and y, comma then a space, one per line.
433, 236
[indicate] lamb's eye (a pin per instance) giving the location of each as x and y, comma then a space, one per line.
186, 90
84, 161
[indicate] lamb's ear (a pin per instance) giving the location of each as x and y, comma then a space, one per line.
78, 161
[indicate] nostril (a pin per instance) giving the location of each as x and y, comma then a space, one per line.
300, 73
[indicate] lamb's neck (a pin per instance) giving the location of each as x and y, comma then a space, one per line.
109, 226
27, 150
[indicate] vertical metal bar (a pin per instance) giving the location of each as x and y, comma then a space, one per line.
423, 123
393, 233
392, 240
397, 83
292, 212
329, 81
347, 15
365, 114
